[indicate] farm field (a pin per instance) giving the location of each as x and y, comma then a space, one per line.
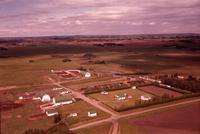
111, 101
100, 129
85, 82
17, 71
159, 91
27, 64
174, 121
19, 119
92, 82
81, 108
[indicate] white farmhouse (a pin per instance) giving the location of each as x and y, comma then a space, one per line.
21, 98
104, 92
73, 115
133, 87
145, 97
121, 96
92, 114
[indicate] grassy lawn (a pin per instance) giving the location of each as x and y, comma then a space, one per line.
85, 82
81, 107
126, 128
100, 129
16, 121
19, 71
116, 104
164, 121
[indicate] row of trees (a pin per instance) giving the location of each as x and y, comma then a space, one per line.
61, 128
109, 87
141, 103
190, 85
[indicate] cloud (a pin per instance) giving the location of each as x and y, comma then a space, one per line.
50, 17
152, 23
78, 22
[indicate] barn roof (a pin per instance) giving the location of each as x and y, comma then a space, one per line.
63, 98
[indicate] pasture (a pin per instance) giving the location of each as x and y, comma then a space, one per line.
159, 91
115, 104
81, 108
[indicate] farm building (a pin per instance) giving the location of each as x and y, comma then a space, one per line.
45, 98
92, 114
181, 77
57, 88
73, 114
121, 96
65, 92
21, 98
46, 106
51, 112
87, 75
145, 97
133, 87
104, 92
64, 99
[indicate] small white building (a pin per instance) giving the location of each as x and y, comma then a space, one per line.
145, 97
51, 112
92, 114
181, 77
36, 98
57, 88
130, 97
45, 98
121, 96
87, 75
73, 115
65, 92
133, 87
21, 98
62, 100
104, 93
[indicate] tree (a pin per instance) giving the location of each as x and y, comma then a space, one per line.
57, 118
66, 60
59, 129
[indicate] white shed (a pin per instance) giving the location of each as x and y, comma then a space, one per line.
87, 75
92, 114
145, 97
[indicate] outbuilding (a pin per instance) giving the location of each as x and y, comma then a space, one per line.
45, 98
51, 112
121, 96
63, 99
87, 75
73, 115
145, 97
92, 114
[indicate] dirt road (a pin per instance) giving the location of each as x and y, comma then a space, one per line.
114, 117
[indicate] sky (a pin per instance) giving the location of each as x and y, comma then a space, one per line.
98, 17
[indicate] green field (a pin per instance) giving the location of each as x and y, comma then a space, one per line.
99, 129
81, 108
120, 104
17, 120
19, 71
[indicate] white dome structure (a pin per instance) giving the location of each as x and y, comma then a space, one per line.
46, 98
87, 75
